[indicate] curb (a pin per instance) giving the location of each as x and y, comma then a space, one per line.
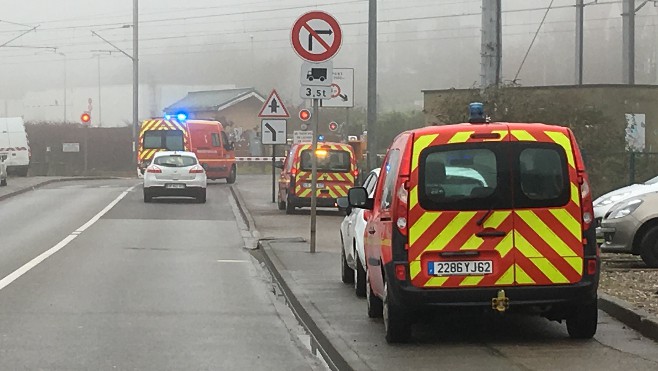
51, 181
623, 311
251, 236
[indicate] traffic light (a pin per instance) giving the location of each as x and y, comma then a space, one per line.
333, 126
85, 118
304, 115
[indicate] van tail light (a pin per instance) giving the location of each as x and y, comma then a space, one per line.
401, 208
366, 215
591, 267
401, 272
196, 170
293, 171
586, 201
154, 170
355, 173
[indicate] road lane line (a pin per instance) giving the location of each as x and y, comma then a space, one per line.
13, 276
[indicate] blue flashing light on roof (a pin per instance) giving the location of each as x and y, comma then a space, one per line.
320, 138
182, 116
476, 113
167, 117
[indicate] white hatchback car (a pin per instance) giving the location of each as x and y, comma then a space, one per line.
175, 173
352, 232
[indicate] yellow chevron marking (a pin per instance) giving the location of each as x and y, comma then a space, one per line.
414, 268
563, 140
419, 145
546, 233
436, 281
413, 197
507, 278
421, 225
569, 222
505, 245
576, 263
523, 136
471, 281
461, 137
522, 278
546, 267
451, 230
575, 194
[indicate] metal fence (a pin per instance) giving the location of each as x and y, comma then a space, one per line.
612, 170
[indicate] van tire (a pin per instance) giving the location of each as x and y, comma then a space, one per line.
649, 248
148, 197
346, 273
290, 208
282, 205
396, 320
583, 320
374, 304
3, 183
359, 279
233, 175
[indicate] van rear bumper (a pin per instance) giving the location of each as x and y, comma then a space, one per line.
306, 201
416, 298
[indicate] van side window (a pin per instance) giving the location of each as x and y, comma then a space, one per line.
390, 174
215, 140
543, 174
227, 144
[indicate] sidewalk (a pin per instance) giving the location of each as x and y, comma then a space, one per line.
18, 185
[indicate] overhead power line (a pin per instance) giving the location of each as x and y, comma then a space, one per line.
533, 40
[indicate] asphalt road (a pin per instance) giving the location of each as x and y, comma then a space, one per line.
452, 341
91, 278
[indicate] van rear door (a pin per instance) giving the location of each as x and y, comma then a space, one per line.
461, 227
336, 166
548, 236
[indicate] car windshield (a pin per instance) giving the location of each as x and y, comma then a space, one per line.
175, 161
328, 160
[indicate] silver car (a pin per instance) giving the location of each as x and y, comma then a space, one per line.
3, 169
631, 226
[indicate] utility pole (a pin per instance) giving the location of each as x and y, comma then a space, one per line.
135, 78
100, 121
492, 40
372, 85
628, 49
65, 86
580, 20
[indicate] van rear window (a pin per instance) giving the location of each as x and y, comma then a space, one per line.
493, 175
328, 160
171, 140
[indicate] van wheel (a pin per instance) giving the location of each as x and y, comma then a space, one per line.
649, 248
148, 197
234, 174
582, 322
346, 273
282, 205
375, 305
359, 279
290, 208
3, 183
396, 320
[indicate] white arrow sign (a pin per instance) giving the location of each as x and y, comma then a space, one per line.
274, 131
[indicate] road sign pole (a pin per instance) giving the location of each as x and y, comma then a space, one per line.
314, 173
273, 173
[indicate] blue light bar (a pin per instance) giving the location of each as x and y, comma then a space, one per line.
182, 117
476, 112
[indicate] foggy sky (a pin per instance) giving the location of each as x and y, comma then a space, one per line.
423, 44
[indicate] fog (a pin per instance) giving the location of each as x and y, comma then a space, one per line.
197, 44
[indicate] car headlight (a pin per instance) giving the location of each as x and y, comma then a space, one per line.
625, 209
605, 201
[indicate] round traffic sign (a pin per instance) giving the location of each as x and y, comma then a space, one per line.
335, 90
316, 36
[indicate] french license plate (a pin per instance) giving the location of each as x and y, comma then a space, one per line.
461, 268
175, 186
309, 185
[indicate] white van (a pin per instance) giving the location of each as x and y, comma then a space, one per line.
14, 144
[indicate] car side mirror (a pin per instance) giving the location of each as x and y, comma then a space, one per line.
358, 198
344, 203
278, 164
230, 146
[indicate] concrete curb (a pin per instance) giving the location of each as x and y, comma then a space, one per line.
623, 311
251, 236
51, 181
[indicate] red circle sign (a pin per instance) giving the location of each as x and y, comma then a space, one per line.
316, 36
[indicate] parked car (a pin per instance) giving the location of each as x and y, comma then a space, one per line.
604, 203
3, 170
15, 145
173, 173
352, 231
631, 227
523, 241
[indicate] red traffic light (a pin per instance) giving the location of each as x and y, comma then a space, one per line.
85, 118
304, 115
333, 126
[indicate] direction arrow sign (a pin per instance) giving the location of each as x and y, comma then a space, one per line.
274, 107
316, 36
274, 131
342, 94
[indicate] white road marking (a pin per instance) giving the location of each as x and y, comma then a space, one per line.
13, 276
232, 261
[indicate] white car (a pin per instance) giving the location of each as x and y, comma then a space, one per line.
604, 203
3, 170
352, 231
175, 173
